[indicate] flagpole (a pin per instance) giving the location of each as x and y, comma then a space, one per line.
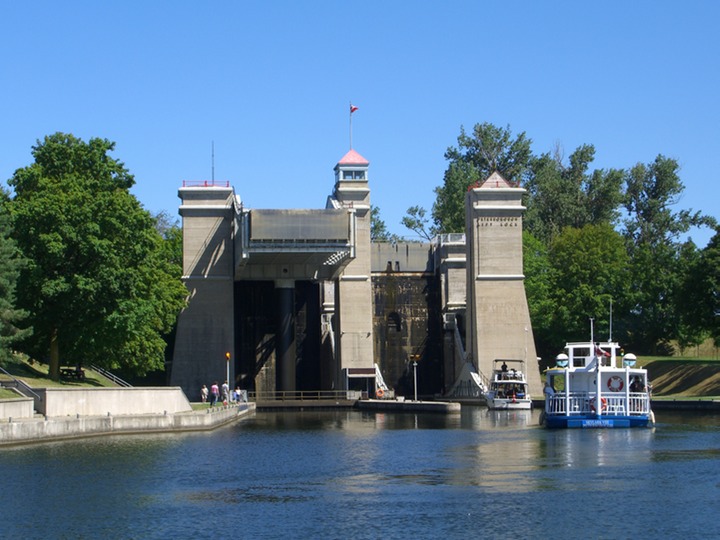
351, 111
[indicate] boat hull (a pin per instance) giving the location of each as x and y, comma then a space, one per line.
595, 422
509, 404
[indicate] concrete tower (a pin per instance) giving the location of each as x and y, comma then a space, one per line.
205, 327
353, 297
497, 310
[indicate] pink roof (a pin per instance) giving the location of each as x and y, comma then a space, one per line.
353, 158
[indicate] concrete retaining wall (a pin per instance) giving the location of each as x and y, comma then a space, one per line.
16, 408
42, 430
115, 401
700, 404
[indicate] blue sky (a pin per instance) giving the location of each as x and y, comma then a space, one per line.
270, 83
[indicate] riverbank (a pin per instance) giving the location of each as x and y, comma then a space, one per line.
46, 429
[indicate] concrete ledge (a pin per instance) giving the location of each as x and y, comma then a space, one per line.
59, 428
115, 401
20, 407
699, 404
409, 406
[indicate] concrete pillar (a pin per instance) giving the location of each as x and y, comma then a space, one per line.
285, 298
206, 327
498, 316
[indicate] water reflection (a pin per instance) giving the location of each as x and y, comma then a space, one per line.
355, 474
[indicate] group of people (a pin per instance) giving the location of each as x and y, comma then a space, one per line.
511, 391
220, 393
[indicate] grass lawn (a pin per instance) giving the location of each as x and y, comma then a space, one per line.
36, 375
682, 378
8, 394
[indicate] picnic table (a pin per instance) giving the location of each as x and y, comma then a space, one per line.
73, 373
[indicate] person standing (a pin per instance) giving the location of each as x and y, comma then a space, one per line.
225, 393
214, 393
204, 393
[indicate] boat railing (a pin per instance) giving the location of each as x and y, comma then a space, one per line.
611, 404
509, 376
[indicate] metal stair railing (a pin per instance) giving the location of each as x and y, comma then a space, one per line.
20, 385
114, 378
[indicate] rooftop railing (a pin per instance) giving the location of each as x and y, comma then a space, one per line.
206, 183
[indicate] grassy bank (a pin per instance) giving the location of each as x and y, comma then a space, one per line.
678, 377
36, 375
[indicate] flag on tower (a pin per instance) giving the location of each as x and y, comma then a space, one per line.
353, 108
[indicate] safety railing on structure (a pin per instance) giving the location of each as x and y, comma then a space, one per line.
610, 404
21, 386
305, 395
206, 183
114, 378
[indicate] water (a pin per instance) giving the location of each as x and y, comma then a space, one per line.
347, 474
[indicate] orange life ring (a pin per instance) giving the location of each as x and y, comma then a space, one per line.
379, 393
615, 384
603, 403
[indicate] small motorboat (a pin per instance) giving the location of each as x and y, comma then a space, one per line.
508, 387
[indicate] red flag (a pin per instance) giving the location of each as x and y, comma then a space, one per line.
353, 108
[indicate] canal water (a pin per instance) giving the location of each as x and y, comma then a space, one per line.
349, 474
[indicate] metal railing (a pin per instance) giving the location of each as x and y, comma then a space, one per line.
206, 183
114, 378
305, 395
21, 386
611, 404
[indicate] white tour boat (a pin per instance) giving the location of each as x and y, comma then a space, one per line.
508, 387
592, 386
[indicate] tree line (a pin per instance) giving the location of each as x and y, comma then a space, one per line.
87, 275
598, 243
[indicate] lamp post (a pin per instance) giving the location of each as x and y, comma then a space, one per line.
415, 377
414, 358
227, 369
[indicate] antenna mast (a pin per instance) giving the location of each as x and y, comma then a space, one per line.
213, 162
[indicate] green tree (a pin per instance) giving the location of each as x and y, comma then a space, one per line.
652, 230
11, 318
416, 221
591, 272
699, 299
539, 283
99, 285
170, 230
562, 196
476, 157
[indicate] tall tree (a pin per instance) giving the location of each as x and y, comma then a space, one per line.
98, 285
570, 195
417, 222
699, 298
540, 281
652, 230
488, 149
591, 272
12, 328
170, 230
